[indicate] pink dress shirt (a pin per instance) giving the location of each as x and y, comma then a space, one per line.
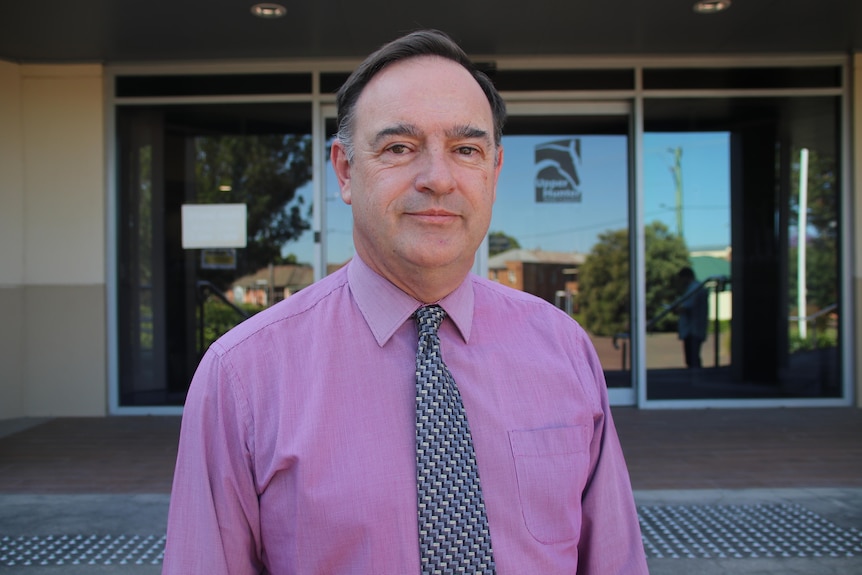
297, 452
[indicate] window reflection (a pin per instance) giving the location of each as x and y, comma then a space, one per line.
173, 302
560, 231
750, 189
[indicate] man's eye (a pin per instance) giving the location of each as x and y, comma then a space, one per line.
467, 150
398, 148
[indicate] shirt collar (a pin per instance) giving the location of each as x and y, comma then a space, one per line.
385, 307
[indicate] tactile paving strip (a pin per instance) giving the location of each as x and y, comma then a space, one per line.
82, 550
669, 531
743, 531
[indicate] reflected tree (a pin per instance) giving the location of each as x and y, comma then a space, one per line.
499, 242
263, 172
605, 279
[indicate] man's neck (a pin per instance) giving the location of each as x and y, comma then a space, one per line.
427, 285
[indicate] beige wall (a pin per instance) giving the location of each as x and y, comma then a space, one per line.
52, 241
11, 243
856, 171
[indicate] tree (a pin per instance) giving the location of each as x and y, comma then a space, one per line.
605, 292
263, 172
666, 254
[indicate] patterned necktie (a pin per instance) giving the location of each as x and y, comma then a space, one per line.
453, 528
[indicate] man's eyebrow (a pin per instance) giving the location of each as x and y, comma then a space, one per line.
467, 132
456, 133
396, 130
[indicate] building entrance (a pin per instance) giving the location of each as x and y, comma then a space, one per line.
603, 199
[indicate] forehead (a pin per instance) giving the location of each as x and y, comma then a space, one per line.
424, 87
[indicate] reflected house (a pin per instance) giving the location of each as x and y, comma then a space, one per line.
270, 285
552, 276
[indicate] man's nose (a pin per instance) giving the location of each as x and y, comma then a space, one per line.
435, 174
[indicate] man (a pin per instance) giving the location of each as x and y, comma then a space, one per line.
693, 317
298, 451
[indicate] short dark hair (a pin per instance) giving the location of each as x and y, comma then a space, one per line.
419, 43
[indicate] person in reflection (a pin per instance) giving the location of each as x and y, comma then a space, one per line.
693, 313
297, 453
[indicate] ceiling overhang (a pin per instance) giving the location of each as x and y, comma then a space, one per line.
129, 31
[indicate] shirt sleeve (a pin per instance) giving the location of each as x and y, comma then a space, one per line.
610, 541
213, 521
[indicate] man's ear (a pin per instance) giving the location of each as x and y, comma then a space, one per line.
338, 156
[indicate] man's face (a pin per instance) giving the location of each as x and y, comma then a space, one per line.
424, 175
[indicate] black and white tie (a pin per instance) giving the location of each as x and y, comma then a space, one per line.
453, 527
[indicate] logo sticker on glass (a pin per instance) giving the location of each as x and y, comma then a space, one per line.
558, 165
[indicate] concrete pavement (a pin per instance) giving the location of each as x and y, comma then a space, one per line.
718, 491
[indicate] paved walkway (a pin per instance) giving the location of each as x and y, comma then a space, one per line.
756, 491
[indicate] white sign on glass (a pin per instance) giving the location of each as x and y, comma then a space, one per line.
214, 226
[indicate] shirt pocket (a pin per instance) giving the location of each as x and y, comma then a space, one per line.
551, 466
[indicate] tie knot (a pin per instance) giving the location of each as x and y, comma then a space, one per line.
429, 318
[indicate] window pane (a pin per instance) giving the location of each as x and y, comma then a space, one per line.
725, 177
560, 231
173, 301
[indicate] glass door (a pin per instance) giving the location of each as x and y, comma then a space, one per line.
177, 293
561, 225
745, 194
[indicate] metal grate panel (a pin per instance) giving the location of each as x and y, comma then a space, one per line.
669, 531
82, 550
743, 531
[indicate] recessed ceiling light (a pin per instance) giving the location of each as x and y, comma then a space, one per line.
711, 6
268, 10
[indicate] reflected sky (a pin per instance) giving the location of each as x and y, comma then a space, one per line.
603, 180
